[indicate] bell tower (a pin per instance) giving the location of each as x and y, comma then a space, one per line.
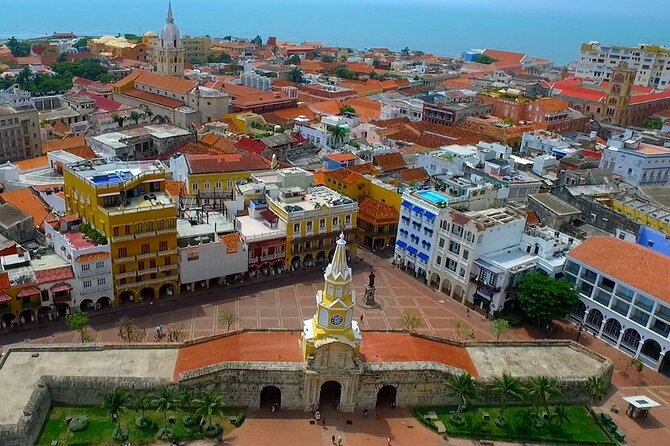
618, 93
169, 57
333, 320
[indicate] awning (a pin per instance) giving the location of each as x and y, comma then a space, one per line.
412, 250
29, 291
418, 210
406, 204
423, 257
429, 216
61, 287
5, 298
401, 243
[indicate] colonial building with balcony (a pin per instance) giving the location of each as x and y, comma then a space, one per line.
624, 297
264, 238
91, 263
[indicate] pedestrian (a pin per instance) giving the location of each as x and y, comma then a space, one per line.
365, 413
361, 318
339, 441
379, 414
323, 422
388, 441
467, 312
333, 438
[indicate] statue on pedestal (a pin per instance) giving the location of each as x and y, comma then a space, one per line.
370, 291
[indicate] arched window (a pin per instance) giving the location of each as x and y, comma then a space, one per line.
338, 291
175, 43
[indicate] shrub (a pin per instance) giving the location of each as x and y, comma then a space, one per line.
78, 423
142, 423
165, 434
239, 419
211, 430
190, 420
120, 434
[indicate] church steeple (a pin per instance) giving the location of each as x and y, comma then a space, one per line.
169, 51
169, 14
334, 318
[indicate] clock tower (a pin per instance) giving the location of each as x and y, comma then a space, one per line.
333, 320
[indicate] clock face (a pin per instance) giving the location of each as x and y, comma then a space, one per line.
336, 320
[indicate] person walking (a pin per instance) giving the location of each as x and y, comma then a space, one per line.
379, 414
388, 441
361, 318
339, 440
333, 438
365, 413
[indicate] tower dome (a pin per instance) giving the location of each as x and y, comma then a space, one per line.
169, 37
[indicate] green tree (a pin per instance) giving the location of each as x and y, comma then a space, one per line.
462, 386
405, 51
653, 124
542, 389
543, 298
344, 73
338, 132
347, 109
227, 316
484, 59
221, 57
258, 40
165, 401
114, 403
18, 48
636, 364
560, 416
293, 60
82, 42
208, 405
78, 321
141, 402
507, 388
410, 322
186, 400
135, 116
297, 76
499, 327
597, 388
327, 58
62, 57
24, 77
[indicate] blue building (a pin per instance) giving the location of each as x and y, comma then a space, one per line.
415, 240
654, 240
339, 160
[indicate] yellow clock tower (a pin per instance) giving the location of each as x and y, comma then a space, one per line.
333, 320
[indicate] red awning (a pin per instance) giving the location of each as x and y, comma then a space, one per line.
5, 298
61, 287
30, 291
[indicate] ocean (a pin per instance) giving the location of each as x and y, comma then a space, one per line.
551, 29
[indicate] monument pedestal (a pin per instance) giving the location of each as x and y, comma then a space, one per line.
369, 301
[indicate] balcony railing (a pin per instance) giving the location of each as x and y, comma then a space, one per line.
167, 252
148, 255
122, 238
124, 259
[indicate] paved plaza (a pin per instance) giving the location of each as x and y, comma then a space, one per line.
280, 303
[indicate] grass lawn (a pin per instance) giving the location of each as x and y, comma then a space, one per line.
99, 430
580, 428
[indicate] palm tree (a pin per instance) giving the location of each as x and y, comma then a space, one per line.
463, 386
339, 132
542, 389
297, 76
596, 388
185, 399
135, 116
115, 402
164, 401
142, 402
208, 404
507, 388
560, 416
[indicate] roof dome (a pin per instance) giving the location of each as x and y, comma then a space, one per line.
170, 33
150, 34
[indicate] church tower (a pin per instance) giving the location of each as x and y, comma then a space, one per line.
333, 321
169, 52
618, 93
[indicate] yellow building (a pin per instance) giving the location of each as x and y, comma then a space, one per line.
127, 202
333, 321
314, 218
643, 212
118, 47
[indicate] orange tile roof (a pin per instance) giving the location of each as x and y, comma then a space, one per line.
364, 169
326, 107
343, 175
292, 113
5, 284
27, 201
32, 163
176, 188
154, 98
374, 211
229, 162
219, 143
160, 81
54, 274
505, 57
82, 152
390, 161
341, 157
70, 142
635, 265
86, 258
552, 105
365, 107
231, 241
416, 175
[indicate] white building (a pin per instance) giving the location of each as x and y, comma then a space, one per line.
624, 297
463, 237
447, 159
637, 163
652, 63
209, 249
91, 263
542, 142
320, 134
498, 273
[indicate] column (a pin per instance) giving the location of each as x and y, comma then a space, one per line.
639, 347
661, 358
618, 342
602, 327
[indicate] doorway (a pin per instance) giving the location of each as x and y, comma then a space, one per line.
330, 395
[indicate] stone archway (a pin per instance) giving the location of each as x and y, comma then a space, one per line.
167, 289
270, 395
104, 302
126, 296
435, 281
330, 394
86, 304
147, 293
295, 262
27, 317
7, 319
386, 397
445, 287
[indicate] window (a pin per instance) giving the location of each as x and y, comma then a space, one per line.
99, 265
322, 223
624, 293
101, 280
161, 225
127, 228
438, 260
309, 225
152, 263
589, 275
145, 248
454, 247
115, 231
87, 283
167, 261
440, 243
163, 246
296, 227
466, 254
138, 228
218, 185
572, 267
347, 219
194, 187
192, 256
451, 264
122, 269
150, 226
86, 267
336, 221
140, 265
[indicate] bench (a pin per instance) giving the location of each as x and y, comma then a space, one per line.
619, 435
607, 418
441, 428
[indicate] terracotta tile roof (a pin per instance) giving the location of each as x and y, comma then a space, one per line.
245, 97
374, 211
341, 157
83, 152
191, 149
532, 218
360, 68
5, 284
70, 142
102, 103
640, 267
505, 57
27, 201
86, 258
364, 169
32, 163
390, 161
220, 143
231, 241
250, 145
230, 162
343, 175
54, 274
325, 107
292, 113
416, 175
28, 60
552, 105
154, 98
176, 188
662, 95
365, 107
273, 346
160, 81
